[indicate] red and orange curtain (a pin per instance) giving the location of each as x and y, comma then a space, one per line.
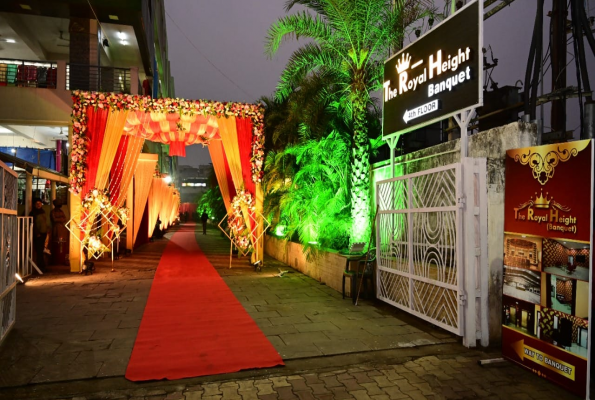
231, 157
178, 131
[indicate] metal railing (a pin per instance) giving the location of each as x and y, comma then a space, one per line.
28, 73
25, 247
97, 78
8, 238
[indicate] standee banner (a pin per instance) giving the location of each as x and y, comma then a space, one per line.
548, 235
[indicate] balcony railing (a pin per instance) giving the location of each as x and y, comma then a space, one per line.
97, 78
25, 73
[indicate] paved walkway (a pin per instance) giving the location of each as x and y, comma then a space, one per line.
74, 335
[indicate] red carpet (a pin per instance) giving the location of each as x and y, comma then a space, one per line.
193, 325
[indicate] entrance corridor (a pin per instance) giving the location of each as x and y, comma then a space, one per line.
75, 333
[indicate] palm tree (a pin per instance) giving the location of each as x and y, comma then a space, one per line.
349, 41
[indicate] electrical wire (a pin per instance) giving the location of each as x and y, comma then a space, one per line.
206, 58
97, 19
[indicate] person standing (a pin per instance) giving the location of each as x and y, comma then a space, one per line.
59, 233
204, 218
40, 232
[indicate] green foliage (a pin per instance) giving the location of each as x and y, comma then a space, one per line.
349, 41
212, 203
307, 191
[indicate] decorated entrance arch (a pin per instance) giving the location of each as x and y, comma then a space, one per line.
111, 178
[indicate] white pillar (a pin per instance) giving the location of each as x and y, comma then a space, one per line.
52, 191
130, 233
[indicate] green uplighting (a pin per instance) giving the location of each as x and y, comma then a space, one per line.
280, 230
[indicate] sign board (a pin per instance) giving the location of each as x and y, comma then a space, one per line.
548, 264
437, 76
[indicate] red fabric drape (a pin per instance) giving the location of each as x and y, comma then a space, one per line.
116, 172
244, 130
177, 149
96, 122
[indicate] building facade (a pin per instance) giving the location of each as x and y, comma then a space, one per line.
50, 48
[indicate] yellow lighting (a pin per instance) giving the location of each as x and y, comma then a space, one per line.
25, 6
19, 278
114, 17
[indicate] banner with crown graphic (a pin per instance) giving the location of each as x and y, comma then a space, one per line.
548, 191
547, 264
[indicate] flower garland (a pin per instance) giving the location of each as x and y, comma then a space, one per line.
102, 198
113, 102
94, 245
236, 221
95, 196
123, 214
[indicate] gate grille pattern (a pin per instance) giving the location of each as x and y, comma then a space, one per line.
8, 264
417, 227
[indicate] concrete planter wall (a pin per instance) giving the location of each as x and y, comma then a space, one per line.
327, 268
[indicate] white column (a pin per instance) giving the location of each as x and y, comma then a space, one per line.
130, 234
52, 191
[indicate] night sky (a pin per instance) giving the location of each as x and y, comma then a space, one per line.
216, 50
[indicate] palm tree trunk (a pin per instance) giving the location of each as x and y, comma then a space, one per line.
360, 174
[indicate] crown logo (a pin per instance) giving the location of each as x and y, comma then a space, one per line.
403, 63
542, 202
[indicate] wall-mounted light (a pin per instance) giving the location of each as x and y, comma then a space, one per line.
13, 151
121, 36
9, 40
123, 42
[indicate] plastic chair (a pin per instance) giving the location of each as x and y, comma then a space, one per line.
354, 275
31, 75
11, 74
42, 76
21, 75
52, 78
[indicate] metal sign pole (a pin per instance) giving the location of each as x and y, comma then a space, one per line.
463, 121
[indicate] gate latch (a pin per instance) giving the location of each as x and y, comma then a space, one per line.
461, 201
462, 299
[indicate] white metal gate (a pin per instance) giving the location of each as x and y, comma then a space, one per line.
25, 246
8, 259
418, 229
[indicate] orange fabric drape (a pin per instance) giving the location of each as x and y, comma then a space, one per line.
229, 139
131, 160
218, 159
111, 139
143, 179
156, 197
167, 200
